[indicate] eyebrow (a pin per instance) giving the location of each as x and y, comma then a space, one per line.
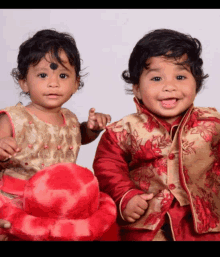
40, 69
46, 69
179, 67
152, 70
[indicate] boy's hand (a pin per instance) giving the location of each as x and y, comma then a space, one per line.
8, 148
136, 207
97, 121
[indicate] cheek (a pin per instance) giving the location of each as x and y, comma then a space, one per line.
191, 93
149, 93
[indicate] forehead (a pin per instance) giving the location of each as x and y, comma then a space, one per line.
50, 61
161, 60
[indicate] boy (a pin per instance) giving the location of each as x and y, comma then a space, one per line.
161, 164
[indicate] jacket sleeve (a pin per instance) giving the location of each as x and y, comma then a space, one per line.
112, 171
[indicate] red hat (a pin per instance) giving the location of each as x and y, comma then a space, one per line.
60, 202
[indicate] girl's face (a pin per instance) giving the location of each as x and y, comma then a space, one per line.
166, 88
50, 86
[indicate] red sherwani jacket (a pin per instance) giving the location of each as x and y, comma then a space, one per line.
137, 155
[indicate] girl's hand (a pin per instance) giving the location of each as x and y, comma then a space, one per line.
4, 224
8, 148
97, 121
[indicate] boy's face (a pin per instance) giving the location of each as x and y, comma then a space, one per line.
49, 83
165, 88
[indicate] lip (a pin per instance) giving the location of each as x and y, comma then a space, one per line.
53, 96
169, 103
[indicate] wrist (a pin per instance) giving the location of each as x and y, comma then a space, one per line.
96, 131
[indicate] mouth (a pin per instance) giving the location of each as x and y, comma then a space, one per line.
52, 96
169, 103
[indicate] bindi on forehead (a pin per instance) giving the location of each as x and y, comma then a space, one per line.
53, 66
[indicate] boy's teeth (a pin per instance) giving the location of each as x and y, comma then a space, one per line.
168, 102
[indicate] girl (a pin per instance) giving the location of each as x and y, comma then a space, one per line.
43, 133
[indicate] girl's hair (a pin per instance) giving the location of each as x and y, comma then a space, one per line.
168, 43
46, 41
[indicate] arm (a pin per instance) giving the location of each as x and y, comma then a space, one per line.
5, 132
8, 145
5, 126
96, 123
111, 169
87, 134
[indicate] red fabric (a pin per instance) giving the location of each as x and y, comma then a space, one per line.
112, 181
61, 202
12, 185
182, 226
111, 168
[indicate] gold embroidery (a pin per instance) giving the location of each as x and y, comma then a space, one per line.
42, 144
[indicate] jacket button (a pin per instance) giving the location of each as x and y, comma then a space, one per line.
171, 156
171, 186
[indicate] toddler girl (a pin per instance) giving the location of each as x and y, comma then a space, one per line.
43, 133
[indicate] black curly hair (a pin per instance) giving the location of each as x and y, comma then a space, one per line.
168, 43
46, 41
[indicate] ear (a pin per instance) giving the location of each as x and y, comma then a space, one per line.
76, 85
23, 85
136, 91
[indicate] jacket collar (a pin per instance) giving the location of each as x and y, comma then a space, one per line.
143, 109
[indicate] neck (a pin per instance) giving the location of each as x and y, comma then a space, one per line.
52, 116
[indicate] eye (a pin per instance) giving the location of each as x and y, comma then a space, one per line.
42, 75
156, 78
180, 77
63, 76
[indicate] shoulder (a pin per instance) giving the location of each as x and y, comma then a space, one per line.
206, 112
6, 123
124, 123
70, 116
17, 113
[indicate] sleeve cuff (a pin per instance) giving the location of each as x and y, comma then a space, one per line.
126, 198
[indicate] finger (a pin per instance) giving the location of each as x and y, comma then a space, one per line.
8, 149
129, 219
91, 111
3, 238
91, 124
147, 196
136, 216
4, 224
11, 142
4, 155
104, 120
109, 118
139, 211
100, 120
142, 204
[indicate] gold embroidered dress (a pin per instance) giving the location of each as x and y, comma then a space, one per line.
42, 145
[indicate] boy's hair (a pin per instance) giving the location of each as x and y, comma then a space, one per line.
46, 41
168, 43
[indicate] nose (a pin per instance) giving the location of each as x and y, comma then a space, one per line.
53, 82
169, 86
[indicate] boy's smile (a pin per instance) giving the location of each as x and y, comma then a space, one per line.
166, 88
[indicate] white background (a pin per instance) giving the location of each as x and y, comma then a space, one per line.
105, 39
